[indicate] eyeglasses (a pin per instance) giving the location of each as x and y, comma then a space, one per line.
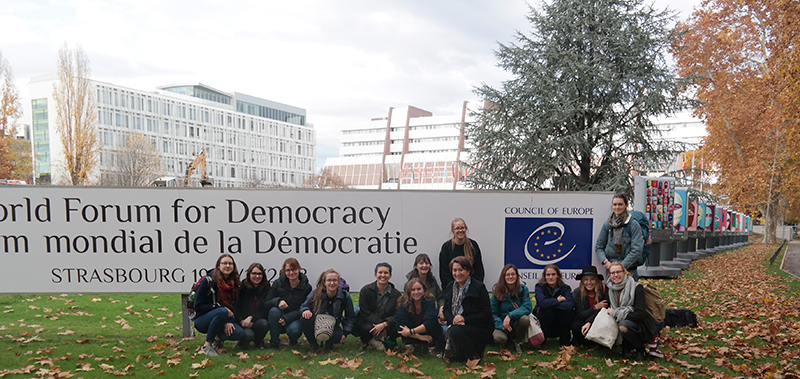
257, 273
226, 263
616, 272
459, 228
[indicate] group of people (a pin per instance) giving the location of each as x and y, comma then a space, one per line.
454, 321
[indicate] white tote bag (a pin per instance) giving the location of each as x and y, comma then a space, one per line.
604, 329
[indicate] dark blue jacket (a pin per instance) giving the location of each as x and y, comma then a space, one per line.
548, 298
430, 315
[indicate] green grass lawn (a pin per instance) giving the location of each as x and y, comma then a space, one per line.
748, 316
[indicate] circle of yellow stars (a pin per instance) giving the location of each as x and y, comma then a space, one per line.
555, 234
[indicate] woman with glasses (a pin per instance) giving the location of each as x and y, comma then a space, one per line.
459, 246
284, 299
251, 311
331, 300
216, 300
511, 308
629, 308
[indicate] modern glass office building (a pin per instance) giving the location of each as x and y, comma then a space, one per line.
248, 141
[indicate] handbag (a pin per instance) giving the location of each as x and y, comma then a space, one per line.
604, 330
323, 327
534, 335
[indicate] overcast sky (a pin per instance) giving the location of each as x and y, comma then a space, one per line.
342, 61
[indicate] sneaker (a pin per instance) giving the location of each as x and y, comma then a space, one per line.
376, 344
209, 350
518, 347
654, 352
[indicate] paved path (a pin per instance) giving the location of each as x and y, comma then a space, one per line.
791, 262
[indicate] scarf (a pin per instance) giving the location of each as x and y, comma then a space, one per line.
227, 294
621, 296
617, 223
458, 296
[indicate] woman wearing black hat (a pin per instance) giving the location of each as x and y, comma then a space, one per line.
590, 297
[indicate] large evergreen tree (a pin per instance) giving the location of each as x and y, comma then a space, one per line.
576, 115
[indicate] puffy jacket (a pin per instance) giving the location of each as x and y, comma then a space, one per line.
632, 244
294, 297
501, 309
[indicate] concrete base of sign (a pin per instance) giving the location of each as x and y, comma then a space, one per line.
658, 271
677, 263
690, 255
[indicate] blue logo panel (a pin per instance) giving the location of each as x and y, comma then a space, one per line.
532, 243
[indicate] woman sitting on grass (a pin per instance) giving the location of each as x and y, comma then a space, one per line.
328, 299
417, 318
216, 299
468, 314
511, 307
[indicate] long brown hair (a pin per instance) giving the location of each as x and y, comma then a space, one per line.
598, 293
316, 298
217, 275
264, 285
501, 288
293, 263
405, 299
467, 242
543, 280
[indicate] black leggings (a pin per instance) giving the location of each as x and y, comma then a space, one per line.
556, 323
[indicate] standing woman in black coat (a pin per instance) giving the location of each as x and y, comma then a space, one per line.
629, 308
590, 298
251, 311
467, 312
460, 246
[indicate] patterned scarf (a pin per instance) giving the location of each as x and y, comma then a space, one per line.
458, 296
227, 293
617, 223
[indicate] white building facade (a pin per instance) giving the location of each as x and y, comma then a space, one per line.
248, 140
409, 148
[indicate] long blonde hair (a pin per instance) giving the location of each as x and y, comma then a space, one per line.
598, 294
406, 301
316, 298
467, 242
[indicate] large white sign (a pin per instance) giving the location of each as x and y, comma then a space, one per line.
161, 240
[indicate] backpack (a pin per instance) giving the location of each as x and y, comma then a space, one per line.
645, 225
343, 284
193, 295
656, 306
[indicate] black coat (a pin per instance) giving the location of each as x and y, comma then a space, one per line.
585, 312
294, 297
251, 302
477, 308
449, 251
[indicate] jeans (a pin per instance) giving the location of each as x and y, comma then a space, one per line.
213, 325
293, 330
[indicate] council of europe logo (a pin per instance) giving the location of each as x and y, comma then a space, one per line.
537, 242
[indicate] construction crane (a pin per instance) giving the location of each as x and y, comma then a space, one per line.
199, 163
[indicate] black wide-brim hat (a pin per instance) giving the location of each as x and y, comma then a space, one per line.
589, 270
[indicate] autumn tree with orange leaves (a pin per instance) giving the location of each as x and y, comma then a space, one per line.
12, 161
737, 54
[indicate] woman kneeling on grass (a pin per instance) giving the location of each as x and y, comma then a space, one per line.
285, 297
590, 298
511, 307
629, 308
555, 308
328, 299
215, 303
417, 318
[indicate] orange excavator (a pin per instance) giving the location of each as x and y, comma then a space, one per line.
199, 163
